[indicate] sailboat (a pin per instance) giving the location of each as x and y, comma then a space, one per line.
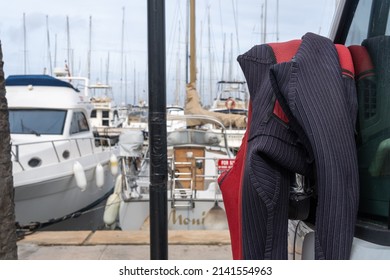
195, 159
230, 106
197, 155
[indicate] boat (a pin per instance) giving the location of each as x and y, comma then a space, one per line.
138, 118
197, 152
232, 98
235, 124
59, 166
106, 115
362, 25
195, 159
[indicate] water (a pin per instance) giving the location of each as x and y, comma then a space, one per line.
91, 219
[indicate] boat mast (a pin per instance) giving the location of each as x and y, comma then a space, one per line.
55, 50
69, 50
24, 44
223, 57
277, 21
101, 70
125, 81
107, 67
48, 45
68, 44
90, 47
265, 22
231, 58
235, 14
178, 70
122, 50
201, 74
135, 86
210, 60
192, 43
177, 90
187, 38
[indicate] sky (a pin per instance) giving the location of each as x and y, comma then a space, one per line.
38, 36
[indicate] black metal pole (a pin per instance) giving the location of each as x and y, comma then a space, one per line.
157, 131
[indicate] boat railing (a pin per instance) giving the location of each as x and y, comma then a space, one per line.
211, 177
185, 177
81, 83
179, 196
57, 151
185, 137
214, 122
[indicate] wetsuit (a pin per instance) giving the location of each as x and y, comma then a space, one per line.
317, 139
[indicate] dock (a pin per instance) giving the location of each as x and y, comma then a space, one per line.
123, 245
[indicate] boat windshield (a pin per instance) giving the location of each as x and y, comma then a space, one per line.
194, 137
138, 115
234, 90
37, 121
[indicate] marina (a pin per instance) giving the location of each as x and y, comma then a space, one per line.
288, 160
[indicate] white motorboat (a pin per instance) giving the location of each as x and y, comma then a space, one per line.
59, 167
195, 159
137, 118
106, 115
232, 98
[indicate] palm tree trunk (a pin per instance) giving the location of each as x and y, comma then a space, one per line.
8, 247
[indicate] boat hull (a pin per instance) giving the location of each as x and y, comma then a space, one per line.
134, 215
53, 198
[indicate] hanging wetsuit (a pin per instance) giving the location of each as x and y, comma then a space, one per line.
317, 140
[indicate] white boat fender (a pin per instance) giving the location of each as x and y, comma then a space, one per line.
111, 210
118, 184
215, 218
79, 175
99, 173
114, 164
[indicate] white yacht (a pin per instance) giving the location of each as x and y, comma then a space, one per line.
232, 98
107, 117
59, 167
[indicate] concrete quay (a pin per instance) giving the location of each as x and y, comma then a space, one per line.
122, 245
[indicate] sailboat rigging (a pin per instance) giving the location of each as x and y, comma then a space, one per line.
193, 104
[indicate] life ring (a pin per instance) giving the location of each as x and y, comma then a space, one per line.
230, 103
